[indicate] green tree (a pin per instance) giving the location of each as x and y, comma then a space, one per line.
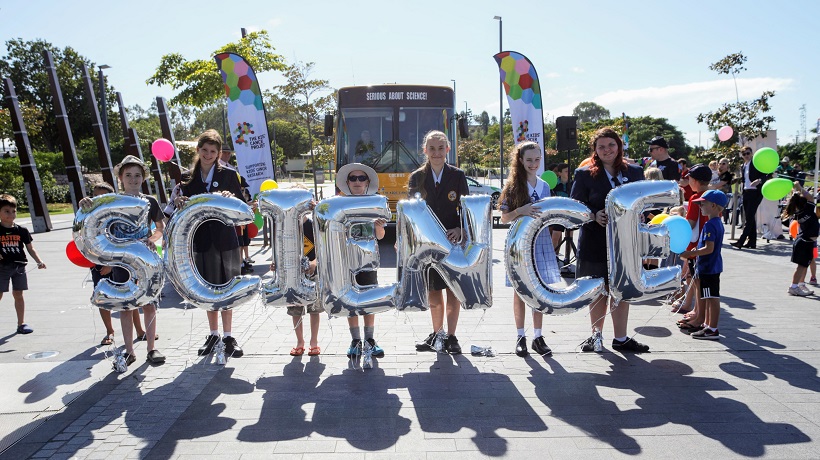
641, 130
590, 112
470, 152
747, 118
25, 65
483, 121
199, 81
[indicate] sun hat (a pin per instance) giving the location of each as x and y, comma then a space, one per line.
344, 171
131, 160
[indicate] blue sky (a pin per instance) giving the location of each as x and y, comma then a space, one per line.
639, 57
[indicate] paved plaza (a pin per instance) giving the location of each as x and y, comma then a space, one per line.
754, 393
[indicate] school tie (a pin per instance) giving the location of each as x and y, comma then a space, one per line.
534, 196
615, 181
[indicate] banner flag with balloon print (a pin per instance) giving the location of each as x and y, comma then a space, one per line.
524, 96
246, 120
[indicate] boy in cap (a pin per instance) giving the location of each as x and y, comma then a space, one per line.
710, 264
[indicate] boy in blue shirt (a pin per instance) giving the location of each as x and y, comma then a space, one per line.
710, 263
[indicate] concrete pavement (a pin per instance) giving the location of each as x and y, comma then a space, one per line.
752, 394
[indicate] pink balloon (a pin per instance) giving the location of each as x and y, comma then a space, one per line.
725, 133
162, 149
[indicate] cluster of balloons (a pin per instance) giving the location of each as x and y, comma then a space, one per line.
680, 231
766, 161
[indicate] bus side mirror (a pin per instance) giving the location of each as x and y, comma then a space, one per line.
328, 125
463, 130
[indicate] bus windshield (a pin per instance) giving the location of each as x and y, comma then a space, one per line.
370, 136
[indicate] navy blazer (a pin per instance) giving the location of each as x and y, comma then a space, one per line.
592, 191
213, 233
444, 200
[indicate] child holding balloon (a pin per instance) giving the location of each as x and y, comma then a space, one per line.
518, 199
709, 263
801, 209
131, 173
359, 179
98, 272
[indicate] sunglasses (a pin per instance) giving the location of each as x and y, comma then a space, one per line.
652, 149
747, 153
362, 178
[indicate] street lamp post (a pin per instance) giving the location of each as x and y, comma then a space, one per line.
103, 103
500, 108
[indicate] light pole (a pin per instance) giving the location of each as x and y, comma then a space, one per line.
500, 108
103, 104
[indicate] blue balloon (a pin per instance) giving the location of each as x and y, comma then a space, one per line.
680, 233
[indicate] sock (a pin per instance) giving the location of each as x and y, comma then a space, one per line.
793, 285
521, 332
711, 329
214, 332
536, 333
368, 332
621, 339
226, 333
355, 333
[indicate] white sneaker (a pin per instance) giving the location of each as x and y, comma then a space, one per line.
805, 288
796, 291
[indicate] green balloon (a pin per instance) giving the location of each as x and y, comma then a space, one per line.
766, 160
776, 189
550, 178
258, 220
159, 248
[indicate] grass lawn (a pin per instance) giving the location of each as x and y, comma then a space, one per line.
53, 208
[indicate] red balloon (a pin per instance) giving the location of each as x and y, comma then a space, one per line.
253, 230
76, 257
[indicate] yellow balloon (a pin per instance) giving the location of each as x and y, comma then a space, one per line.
658, 219
269, 184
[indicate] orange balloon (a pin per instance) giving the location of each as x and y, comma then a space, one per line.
793, 227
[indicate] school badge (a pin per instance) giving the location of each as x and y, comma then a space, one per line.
452, 196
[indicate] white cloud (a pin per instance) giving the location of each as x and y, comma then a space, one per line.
577, 70
274, 22
552, 75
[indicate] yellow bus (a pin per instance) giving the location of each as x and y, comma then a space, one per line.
383, 127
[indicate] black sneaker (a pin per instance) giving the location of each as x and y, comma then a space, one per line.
206, 349
377, 352
355, 349
629, 345
452, 346
232, 349
540, 347
426, 344
706, 334
521, 346
155, 357
246, 269
24, 329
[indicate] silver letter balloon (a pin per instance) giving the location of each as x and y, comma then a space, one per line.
629, 241
520, 263
286, 209
180, 259
422, 244
92, 235
346, 245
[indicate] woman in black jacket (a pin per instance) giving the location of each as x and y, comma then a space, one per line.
591, 186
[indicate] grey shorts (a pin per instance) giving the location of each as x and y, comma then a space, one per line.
16, 273
300, 311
